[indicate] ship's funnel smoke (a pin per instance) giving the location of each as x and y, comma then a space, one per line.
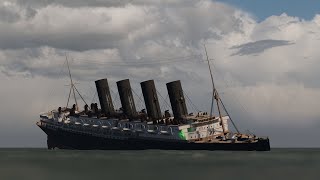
177, 100
126, 98
151, 99
104, 97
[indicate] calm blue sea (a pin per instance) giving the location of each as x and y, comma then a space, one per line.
42, 164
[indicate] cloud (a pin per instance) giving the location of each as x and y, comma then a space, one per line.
132, 32
113, 27
254, 48
8, 13
103, 3
268, 68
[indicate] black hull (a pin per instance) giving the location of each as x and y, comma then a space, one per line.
68, 140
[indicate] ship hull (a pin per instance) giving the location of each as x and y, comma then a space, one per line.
69, 140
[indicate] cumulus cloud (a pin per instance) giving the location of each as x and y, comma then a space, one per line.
269, 67
134, 32
102, 3
86, 28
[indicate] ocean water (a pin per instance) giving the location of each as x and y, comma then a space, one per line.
42, 164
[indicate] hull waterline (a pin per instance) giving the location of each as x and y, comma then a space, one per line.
70, 140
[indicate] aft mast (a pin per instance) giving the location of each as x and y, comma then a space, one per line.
215, 96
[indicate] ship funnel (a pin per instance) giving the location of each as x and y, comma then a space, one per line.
104, 96
151, 99
177, 100
126, 98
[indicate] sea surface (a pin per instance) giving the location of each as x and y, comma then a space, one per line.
42, 164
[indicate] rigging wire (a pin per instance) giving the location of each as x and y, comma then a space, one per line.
233, 123
94, 92
227, 84
79, 94
189, 106
166, 104
94, 97
141, 101
115, 100
72, 85
193, 106
133, 63
169, 60
68, 98
130, 63
154, 60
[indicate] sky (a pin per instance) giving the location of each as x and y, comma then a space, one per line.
263, 9
264, 53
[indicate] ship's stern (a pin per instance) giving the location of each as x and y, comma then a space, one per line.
263, 144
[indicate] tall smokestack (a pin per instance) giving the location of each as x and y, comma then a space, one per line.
151, 99
104, 96
126, 98
177, 100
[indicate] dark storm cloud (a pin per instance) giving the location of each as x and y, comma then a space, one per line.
254, 48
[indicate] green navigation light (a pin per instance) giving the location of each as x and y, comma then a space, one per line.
181, 135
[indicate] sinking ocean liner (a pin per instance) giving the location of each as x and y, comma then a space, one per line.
105, 128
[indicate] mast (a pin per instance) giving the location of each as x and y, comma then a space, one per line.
215, 95
212, 82
72, 86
